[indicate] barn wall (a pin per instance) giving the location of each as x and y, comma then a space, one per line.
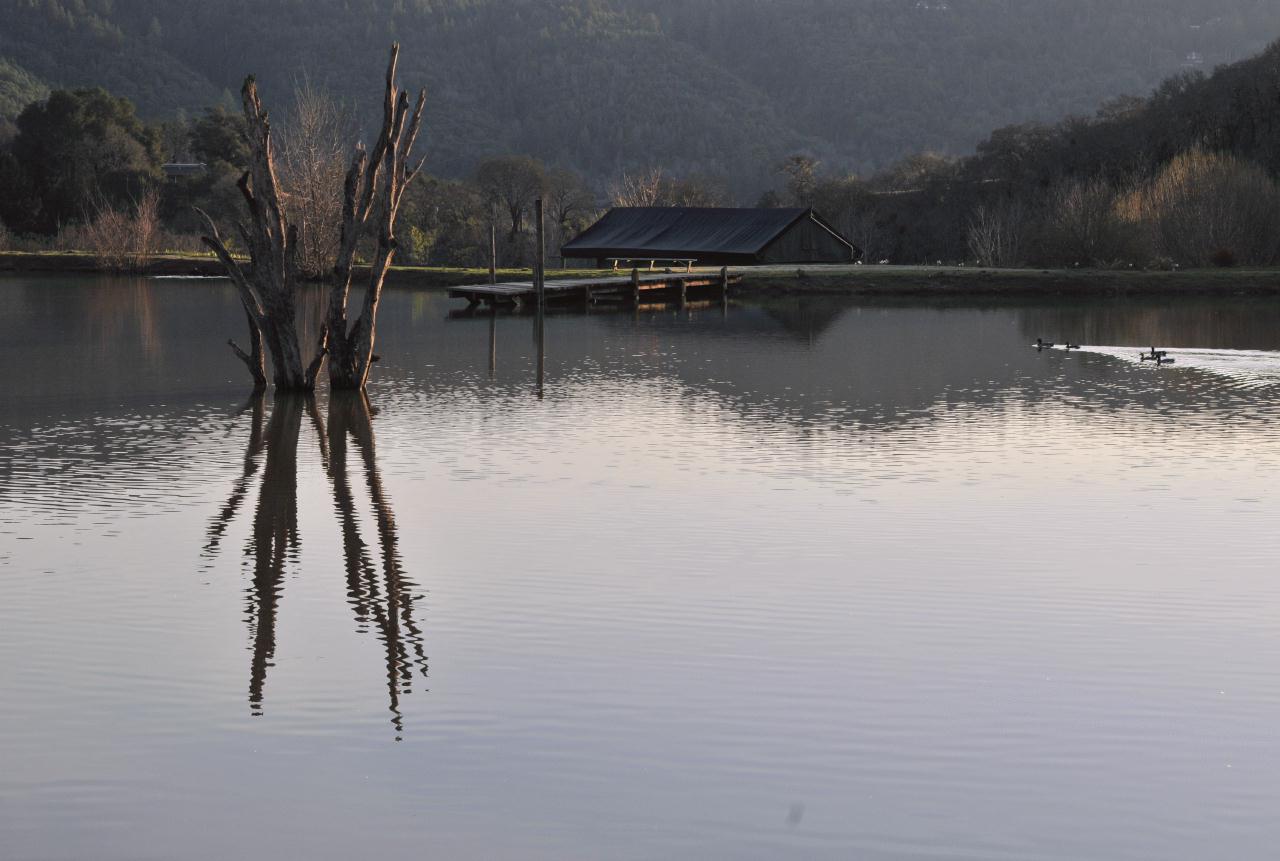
806, 242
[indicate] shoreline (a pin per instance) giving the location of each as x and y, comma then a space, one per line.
823, 280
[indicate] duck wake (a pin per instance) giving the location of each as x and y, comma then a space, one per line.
1252, 368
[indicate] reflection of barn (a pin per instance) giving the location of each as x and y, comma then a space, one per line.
711, 237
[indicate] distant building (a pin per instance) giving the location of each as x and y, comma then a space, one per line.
181, 170
711, 237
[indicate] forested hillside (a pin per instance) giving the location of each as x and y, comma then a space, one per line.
1189, 175
18, 88
720, 87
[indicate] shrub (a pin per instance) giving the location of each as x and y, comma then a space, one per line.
1085, 225
1223, 258
120, 240
1202, 204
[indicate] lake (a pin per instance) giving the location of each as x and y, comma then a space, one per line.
806, 578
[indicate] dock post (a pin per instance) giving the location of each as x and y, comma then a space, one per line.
684, 293
724, 288
540, 285
635, 287
493, 254
540, 259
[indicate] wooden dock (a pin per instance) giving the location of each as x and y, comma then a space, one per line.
632, 288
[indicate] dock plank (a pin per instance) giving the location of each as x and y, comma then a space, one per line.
648, 281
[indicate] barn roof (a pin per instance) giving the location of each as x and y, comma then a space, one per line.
675, 233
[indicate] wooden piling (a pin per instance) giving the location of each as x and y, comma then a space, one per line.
540, 260
635, 287
493, 254
540, 287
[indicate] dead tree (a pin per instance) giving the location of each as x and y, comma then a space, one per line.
375, 181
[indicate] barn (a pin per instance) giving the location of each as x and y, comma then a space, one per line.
710, 237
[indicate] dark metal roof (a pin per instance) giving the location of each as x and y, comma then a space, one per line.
674, 233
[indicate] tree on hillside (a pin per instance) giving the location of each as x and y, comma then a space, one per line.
570, 205
217, 138
801, 173
78, 147
447, 223
569, 198
512, 183
374, 187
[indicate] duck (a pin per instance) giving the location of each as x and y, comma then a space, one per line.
1041, 345
1071, 346
1153, 355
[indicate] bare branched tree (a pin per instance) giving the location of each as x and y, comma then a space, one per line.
570, 204
511, 183
313, 162
124, 240
1084, 225
639, 189
375, 181
995, 233
654, 187
1205, 208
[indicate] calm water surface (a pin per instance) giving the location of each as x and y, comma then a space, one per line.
808, 579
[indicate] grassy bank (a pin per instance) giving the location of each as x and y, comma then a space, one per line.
437, 277
793, 280
959, 281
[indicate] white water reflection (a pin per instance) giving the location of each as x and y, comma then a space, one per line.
1244, 368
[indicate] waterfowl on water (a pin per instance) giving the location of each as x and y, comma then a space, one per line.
1071, 346
1041, 345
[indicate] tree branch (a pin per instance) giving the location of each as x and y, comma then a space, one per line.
248, 297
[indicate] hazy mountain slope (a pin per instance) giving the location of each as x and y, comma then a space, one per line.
69, 45
721, 86
872, 75
18, 88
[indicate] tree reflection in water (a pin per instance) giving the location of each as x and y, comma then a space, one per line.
380, 593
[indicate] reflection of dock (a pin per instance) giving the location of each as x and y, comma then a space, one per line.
623, 288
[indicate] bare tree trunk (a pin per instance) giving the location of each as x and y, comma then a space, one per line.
379, 177
254, 359
269, 292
